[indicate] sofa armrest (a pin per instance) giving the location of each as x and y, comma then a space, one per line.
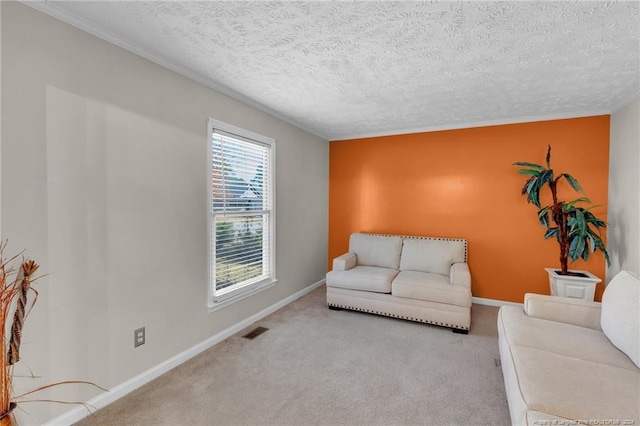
563, 309
460, 275
345, 262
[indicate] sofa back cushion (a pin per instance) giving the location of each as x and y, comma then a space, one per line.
431, 255
376, 250
620, 317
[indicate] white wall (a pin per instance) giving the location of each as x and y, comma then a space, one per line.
104, 183
623, 238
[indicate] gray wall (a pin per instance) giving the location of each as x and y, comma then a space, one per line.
104, 183
623, 239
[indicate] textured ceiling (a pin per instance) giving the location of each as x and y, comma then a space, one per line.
348, 69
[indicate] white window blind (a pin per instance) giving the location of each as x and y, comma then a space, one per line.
241, 211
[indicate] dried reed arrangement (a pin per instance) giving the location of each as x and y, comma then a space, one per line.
14, 284
15, 288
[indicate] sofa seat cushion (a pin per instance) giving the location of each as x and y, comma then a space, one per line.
431, 287
368, 278
573, 388
561, 338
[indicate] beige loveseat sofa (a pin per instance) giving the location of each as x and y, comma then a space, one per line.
421, 279
568, 361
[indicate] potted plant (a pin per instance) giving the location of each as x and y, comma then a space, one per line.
572, 223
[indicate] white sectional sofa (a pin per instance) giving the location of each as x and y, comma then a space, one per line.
422, 279
569, 361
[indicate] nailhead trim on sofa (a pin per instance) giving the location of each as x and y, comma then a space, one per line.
397, 316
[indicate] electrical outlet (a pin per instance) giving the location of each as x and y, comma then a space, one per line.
139, 337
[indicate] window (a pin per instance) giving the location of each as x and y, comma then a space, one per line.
241, 221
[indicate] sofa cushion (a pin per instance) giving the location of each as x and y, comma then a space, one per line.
620, 318
431, 287
376, 250
368, 278
431, 255
573, 388
560, 338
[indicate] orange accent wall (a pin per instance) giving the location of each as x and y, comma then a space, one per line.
461, 184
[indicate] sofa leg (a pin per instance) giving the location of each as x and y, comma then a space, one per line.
334, 308
458, 331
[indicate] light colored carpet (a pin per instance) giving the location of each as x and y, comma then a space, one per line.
315, 366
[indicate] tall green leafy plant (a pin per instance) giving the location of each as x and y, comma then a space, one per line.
576, 229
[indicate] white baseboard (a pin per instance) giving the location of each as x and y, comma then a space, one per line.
117, 392
494, 302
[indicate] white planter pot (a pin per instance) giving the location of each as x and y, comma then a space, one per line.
572, 286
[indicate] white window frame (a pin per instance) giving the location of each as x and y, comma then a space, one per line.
220, 298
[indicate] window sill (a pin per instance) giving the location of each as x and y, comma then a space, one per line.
239, 295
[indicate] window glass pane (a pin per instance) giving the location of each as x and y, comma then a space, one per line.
239, 175
239, 249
